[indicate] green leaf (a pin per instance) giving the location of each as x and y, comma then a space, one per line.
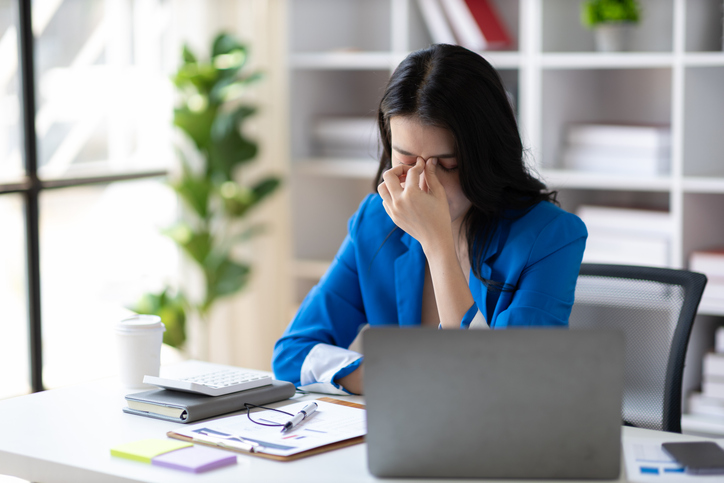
198, 244
187, 55
265, 187
228, 278
197, 125
229, 147
225, 43
195, 191
181, 233
202, 77
249, 233
171, 309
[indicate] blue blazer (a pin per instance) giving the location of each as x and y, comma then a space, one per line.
377, 278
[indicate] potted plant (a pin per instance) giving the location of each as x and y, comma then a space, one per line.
611, 21
211, 114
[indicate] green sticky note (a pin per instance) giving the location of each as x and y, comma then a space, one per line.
146, 449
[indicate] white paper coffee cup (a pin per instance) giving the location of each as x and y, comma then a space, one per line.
139, 340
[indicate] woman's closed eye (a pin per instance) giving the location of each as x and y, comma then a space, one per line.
408, 160
447, 166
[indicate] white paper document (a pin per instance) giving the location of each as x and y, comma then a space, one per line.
647, 462
330, 423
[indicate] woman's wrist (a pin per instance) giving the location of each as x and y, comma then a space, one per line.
353, 381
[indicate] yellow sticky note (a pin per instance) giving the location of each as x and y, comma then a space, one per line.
146, 449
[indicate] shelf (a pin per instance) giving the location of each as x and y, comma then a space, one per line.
693, 424
345, 60
337, 168
704, 59
703, 185
502, 60
619, 60
383, 60
558, 178
628, 60
709, 308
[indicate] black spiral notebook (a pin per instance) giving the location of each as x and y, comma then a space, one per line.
184, 407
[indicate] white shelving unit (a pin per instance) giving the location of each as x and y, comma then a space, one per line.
343, 51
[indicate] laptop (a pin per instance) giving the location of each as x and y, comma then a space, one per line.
515, 403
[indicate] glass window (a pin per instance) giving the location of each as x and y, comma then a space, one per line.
103, 91
101, 247
11, 168
13, 300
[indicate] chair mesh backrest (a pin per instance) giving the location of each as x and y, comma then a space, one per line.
653, 307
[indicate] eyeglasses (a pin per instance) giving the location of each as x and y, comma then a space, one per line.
248, 414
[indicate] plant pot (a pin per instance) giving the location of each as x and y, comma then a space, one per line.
613, 37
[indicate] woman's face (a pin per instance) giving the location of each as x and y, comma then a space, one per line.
411, 139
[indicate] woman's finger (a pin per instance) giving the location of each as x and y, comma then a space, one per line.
395, 177
392, 182
413, 174
431, 176
384, 193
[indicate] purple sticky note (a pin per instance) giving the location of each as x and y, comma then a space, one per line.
196, 459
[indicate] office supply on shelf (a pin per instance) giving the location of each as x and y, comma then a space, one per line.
215, 383
627, 236
183, 407
146, 449
643, 150
303, 414
436, 22
525, 403
345, 137
476, 24
463, 24
489, 22
334, 425
196, 459
710, 263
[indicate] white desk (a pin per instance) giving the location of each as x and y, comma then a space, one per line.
65, 435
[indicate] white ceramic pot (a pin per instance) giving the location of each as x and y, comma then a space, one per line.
613, 36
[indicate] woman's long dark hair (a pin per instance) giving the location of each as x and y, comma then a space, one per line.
451, 87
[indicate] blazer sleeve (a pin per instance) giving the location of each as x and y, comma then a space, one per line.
546, 287
312, 353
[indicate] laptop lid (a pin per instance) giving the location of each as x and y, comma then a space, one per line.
516, 403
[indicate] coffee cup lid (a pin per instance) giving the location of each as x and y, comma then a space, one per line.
140, 322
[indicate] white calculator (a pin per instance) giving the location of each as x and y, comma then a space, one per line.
215, 383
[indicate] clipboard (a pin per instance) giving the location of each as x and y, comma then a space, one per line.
260, 452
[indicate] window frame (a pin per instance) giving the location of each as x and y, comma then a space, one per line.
32, 186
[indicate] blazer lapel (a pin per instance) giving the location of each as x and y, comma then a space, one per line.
409, 278
491, 254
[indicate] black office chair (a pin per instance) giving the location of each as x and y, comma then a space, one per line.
655, 308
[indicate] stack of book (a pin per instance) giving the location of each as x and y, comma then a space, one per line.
474, 24
711, 264
640, 150
626, 236
710, 401
346, 137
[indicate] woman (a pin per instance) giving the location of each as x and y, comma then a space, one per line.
459, 234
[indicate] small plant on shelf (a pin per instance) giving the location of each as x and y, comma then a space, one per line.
596, 12
611, 21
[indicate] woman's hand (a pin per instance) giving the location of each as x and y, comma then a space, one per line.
416, 201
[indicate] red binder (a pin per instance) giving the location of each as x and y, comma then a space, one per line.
494, 31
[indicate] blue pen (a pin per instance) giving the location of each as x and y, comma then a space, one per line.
300, 416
